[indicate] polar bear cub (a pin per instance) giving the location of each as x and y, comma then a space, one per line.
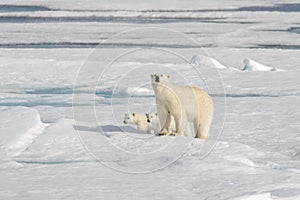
186, 104
140, 120
153, 119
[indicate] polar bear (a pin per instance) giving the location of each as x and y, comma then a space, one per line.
140, 120
186, 104
152, 118
153, 121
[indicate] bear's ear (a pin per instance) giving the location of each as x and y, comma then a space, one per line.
168, 76
133, 114
156, 114
152, 75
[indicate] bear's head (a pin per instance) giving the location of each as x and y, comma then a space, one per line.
151, 117
160, 78
129, 118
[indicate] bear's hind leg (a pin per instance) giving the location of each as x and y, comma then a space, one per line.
202, 128
180, 124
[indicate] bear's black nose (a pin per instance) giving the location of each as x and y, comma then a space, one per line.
148, 121
156, 79
124, 122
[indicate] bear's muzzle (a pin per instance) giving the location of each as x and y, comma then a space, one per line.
157, 79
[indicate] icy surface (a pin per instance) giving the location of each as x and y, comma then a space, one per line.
46, 152
251, 65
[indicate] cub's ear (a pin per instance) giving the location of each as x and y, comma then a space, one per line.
156, 114
168, 76
133, 114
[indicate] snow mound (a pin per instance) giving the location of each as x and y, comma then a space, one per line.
58, 144
251, 65
200, 60
19, 127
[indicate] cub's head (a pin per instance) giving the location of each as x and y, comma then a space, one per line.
159, 78
129, 118
151, 117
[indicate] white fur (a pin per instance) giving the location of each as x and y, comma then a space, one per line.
185, 104
140, 120
153, 119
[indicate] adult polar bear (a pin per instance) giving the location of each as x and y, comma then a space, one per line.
185, 104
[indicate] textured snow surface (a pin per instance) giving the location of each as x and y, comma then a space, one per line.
57, 141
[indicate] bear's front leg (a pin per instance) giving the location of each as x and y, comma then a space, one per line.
165, 129
180, 123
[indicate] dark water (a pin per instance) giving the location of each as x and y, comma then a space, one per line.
274, 8
112, 19
295, 29
21, 8
150, 20
276, 46
96, 45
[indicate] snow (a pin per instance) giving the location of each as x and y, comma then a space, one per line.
265, 196
15, 139
62, 100
204, 60
251, 65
